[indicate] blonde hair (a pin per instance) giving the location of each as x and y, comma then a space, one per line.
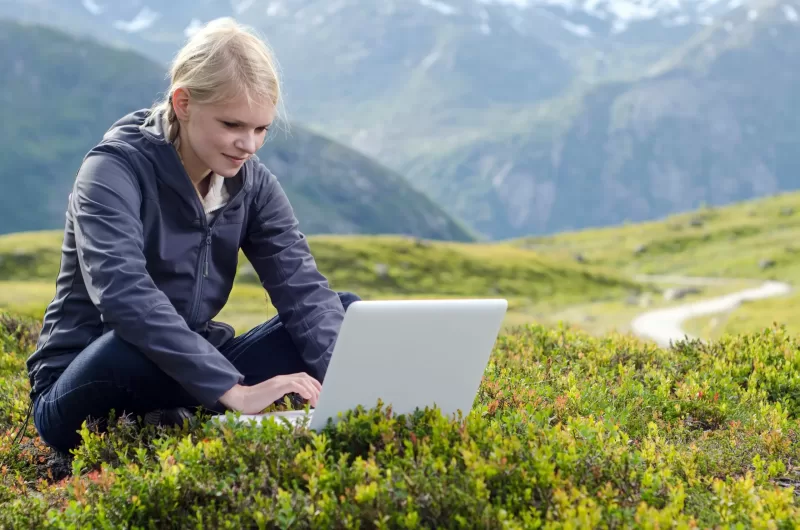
222, 60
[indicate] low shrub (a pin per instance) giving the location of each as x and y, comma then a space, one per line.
567, 431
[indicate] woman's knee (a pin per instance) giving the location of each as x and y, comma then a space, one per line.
60, 411
115, 362
348, 298
109, 352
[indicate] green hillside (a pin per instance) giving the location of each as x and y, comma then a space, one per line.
725, 241
592, 279
61, 93
372, 266
752, 240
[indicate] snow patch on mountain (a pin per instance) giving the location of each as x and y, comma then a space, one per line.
276, 9
578, 29
240, 6
441, 7
143, 20
92, 7
193, 27
620, 14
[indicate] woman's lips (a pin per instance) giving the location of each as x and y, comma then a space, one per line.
235, 159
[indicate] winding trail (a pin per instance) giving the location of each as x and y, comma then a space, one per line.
664, 325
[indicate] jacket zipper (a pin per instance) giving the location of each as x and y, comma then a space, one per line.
208, 251
205, 250
202, 264
202, 272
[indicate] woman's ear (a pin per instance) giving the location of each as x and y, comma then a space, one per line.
180, 103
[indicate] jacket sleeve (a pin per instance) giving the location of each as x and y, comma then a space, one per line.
279, 253
109, 241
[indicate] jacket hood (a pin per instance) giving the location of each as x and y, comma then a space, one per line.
143, 131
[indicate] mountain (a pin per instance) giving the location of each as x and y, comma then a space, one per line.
709, 123
60, 93
399, 59
520, 116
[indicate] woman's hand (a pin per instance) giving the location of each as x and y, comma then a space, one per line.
254, 399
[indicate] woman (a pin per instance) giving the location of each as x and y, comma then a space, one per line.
159, 211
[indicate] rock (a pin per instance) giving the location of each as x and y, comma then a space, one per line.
766, 263
640, 249
671, 294
676, 293
787, 210
579, 258
422, 243
641, 300
696, 221
382, 270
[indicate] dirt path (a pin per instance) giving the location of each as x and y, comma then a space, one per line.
664, 325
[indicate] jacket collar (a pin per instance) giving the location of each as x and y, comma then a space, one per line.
174, 174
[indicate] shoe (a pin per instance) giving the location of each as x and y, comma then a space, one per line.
168, 417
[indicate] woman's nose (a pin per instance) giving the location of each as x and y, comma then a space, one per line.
247, 143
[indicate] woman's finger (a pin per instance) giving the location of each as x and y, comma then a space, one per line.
300, 388
314, 392
304, 376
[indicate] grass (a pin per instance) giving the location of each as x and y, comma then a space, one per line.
375, 267
600, 318
567, 430
586, 278
26, 298
755, 240
728, 241
749, 317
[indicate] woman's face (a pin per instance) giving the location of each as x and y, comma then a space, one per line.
222, 136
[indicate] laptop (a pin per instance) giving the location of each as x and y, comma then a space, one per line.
409, 354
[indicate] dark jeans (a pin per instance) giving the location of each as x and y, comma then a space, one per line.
112, 374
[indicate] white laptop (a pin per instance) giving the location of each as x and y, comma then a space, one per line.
409, 354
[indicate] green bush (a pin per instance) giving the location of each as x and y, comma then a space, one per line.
567, 431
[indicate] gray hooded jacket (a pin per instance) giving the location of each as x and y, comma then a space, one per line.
140, 258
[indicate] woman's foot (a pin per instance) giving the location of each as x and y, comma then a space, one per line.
168, 417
